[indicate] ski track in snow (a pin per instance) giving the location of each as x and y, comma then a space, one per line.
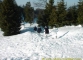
30, 45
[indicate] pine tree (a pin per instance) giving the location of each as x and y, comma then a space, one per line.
28, 13
80, 12
10, 18
40, 20
49, 17
72, 15
0, 8
61, 13
48, 11
0, 3
53, 18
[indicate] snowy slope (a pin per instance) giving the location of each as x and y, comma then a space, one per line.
30, 45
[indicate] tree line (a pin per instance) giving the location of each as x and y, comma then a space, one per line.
59, 15
12, 15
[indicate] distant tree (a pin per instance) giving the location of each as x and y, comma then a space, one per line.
40, 4
0, 2
36, 12
48, 17
72, 15
80, 12
29, 13
53, 17
40, 12
23, 12
10, 21
48, 11
40, 20
61, 12
0, 8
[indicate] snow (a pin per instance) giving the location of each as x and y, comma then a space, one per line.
29, 45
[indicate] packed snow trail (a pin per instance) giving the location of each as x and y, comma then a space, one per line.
30, 45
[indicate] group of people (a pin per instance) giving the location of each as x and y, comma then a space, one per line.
38, 29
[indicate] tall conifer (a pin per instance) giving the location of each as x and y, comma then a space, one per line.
53, 18
10, 18
72, 15
29, 13
49, 17
61, 12
80, 12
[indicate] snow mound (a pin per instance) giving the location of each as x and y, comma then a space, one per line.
29, 45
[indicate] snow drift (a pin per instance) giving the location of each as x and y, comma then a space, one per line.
29, 45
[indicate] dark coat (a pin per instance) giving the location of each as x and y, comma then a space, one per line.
46, 30
39, 30
35, 28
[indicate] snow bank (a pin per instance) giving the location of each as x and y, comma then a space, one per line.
30, 45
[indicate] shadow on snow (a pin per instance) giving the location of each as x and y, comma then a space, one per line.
64, 34
26, 29
30, 29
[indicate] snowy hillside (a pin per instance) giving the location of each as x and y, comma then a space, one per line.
30, 45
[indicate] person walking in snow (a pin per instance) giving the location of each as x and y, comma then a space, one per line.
39, 30
46, 30
35, 28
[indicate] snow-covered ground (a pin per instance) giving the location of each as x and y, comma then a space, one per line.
29, 45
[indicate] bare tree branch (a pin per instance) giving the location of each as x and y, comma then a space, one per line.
40, 3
